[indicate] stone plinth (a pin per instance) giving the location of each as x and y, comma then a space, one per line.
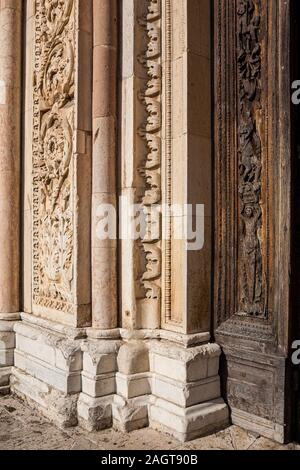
47, 369
186, 397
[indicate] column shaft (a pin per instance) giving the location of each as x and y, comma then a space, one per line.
104, 276
10, 117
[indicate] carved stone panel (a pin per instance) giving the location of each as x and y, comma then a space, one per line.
57, 156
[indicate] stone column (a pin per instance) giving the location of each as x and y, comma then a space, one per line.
10, 136
104, 262
100, 349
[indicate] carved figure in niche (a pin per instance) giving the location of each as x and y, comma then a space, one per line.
249, 157
249, 61
251, 285
250, 165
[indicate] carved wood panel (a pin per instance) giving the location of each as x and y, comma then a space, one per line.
252, 208
244, 170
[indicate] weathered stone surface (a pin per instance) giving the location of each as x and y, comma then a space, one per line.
23, 428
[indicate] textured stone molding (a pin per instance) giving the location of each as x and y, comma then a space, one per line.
149, 303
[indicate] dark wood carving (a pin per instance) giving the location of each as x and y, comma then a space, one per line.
252, 208
251, 295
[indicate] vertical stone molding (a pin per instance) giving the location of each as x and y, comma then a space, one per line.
141, 163
101, 347
166, 160
10, 153
104, 251
148, 293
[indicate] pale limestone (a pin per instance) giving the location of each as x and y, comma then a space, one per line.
98, 385
186, 424
130, 386
94, 414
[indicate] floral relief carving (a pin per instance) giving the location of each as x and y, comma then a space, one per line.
53, 209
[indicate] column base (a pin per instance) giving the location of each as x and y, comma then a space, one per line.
5, 373
98, 380
47, 371
57, 406
7, 346
95, 414
186, 398
130, 414
127, 384
190, 423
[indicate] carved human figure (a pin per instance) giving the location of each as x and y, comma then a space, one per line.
251, 283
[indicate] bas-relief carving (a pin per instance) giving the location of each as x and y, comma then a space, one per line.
53, 209
251, 297
149, 300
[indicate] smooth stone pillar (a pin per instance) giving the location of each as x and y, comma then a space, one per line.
10, 137
104, 256
10, 134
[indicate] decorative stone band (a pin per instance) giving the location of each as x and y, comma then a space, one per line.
150, 96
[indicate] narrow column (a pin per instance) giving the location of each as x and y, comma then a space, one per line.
104, 278
10, 112
10, 118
